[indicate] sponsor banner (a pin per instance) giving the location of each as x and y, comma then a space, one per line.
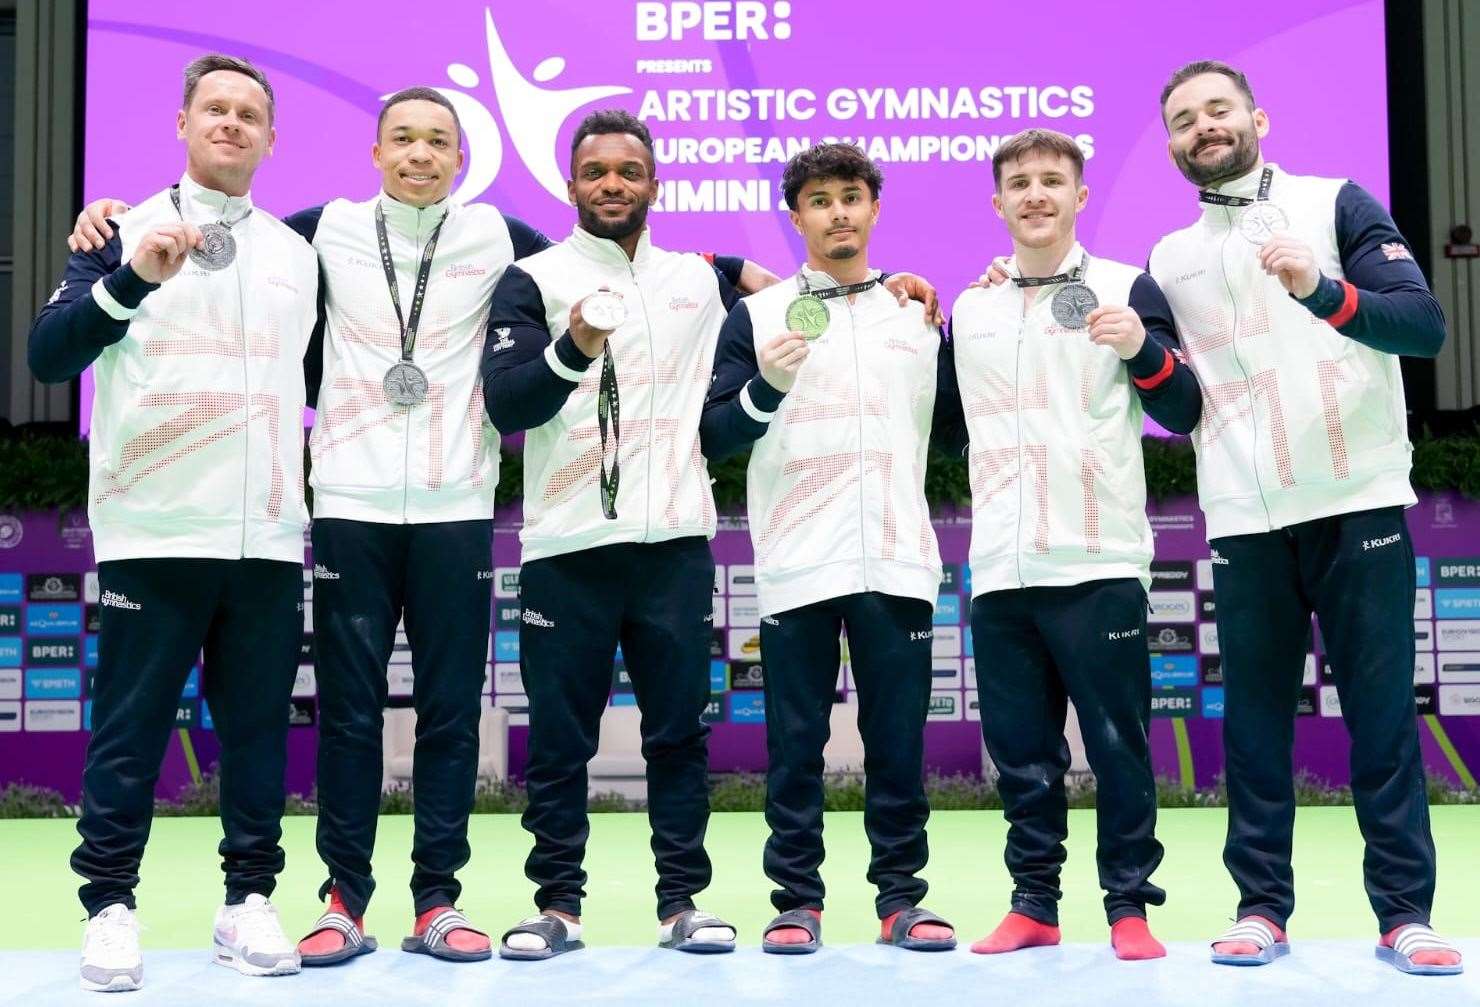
717, 611
1174, 671
1423, 603
1306, 703
624, 699
399, 680
191, 689
743, 612
10, 652
719, 579
302, 713
53, 620
91, 591
946, 642
1207, 638
719, 676
945, 673
10, 717
944, 705
506, 615
1207, 606
53, 683
1212, 703
506, 678
1309, 675
621, 680
740, 580
1457, 667
304, 683
53, 587
1459, 634
1212, 671
1330, 701
11, 587
1421, 570
206, 723
717, 644
187, 714
10, 683
947, 610
517, 707
1455, 603
1173, 606
1174, 703
92, 619
1171, 575
305, 649
950, 578
1205, 575
51, 652
968, 672
53, 715
745, 645
506, 645
747, 707
1459, 700
1457, 571
10, 619
1170, 639
747, 675
487, 680
1424, 669
973, 706
506, 582
1425, 700
714, 710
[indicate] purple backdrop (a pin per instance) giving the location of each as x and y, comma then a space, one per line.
43, 704
871, 75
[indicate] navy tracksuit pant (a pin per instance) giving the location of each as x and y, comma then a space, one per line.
1037, 648
1356, 573
157, 615
367, 577
655, 599
889, 646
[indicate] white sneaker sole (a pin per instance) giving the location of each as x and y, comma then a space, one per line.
118, 984
288, 965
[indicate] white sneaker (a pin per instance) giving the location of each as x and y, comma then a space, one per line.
250, 939
110, 951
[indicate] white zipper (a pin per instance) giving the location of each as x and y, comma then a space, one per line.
862, 458
1017, 401
1233, 344
647, 322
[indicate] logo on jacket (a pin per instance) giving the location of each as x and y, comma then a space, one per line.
1219, 560
56, 295
537, 619
683, 303
503, 342
1127, 634
921, 634
1378, 543
1395, 250
459, 270
321, 572
117, 599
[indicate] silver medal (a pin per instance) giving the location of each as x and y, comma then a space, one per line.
1072, 304
604, 310
405, 384
1259, 222
217, 247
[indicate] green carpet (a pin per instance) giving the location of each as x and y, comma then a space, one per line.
181, 879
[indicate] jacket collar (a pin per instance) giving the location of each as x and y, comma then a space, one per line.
605, 250
196, 201
1245, 186
412, 220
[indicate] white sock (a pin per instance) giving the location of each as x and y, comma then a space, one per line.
534, 942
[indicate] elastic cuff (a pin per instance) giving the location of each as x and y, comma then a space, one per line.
747, 403
1114, 916
561, 904
432, 899
673, 907
1047, 915
1148, 370
566, 359
110, 304
1325, 300
1348, 307
893, 906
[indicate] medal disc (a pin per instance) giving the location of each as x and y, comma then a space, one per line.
217, 249
604, 310
1259, 222
405, 384
808, 315
1072, 304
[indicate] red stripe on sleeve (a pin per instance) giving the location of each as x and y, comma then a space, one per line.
1167, 365
1348, 307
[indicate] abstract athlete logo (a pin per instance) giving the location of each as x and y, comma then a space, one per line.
533, 116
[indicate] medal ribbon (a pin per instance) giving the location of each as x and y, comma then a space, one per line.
1219, 199
423, 273
1047, 281
609, 412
